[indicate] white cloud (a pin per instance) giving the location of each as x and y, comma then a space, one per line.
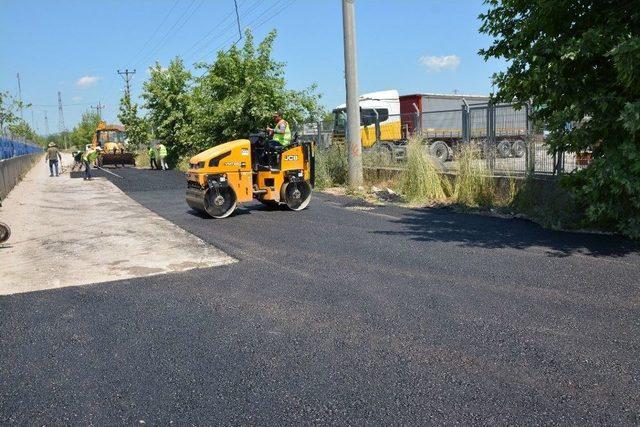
76, 98
87, 81
439, 63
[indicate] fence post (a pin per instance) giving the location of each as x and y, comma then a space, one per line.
466, 126
490, 140
417, 125
529, 152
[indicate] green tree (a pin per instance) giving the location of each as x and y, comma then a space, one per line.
240, 91
82, 133
9, 107
579, 63
166, 96
22, 129
134, 125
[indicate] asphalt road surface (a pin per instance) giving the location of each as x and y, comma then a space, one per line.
342, 313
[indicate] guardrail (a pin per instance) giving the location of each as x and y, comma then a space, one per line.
13, 170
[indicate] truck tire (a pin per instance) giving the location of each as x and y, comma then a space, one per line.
439, 150
504, 149
518, 148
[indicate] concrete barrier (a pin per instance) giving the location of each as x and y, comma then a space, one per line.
13, 170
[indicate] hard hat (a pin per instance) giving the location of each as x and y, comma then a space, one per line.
99, 148
52, 144
278, 113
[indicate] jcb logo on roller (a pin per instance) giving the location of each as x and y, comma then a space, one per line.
291, 157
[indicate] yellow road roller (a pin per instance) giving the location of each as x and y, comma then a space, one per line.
253, 168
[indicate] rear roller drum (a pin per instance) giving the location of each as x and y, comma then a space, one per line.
296, 195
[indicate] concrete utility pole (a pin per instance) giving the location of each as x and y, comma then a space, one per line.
353, 110
127, 75
46, 124
98, 109
20, 95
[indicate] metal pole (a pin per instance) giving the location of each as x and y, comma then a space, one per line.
351, 77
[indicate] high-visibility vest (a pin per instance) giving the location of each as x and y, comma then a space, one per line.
162, 150
283, 138
152, 153
90, 156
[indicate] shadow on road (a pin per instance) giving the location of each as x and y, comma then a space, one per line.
488, 232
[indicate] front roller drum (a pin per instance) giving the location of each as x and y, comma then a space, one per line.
5, 232
296, 194
217, 203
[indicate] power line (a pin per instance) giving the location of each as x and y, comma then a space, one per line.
264, 21
141, 50
192, 50
179, 22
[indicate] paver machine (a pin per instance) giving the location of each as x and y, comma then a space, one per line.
112, 139
253, 168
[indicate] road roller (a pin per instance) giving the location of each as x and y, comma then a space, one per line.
239, 171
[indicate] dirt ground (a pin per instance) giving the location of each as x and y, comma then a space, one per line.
67, 231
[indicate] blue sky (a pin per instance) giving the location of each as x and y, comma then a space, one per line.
75, 47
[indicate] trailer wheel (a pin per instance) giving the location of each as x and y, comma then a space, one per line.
439, 150
504, 149
518, 148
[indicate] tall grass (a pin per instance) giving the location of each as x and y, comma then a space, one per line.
421, 181
331, 166
474, 186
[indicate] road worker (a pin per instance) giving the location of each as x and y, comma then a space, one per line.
53, 156
89, 157
162, 153
152, 157
282, 132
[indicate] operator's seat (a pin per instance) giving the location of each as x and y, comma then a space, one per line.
273, 151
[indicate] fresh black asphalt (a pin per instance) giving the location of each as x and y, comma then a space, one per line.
343, 313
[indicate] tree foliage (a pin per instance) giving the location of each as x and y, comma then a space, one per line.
579, 63
82, 133
240, 91
135, 126
166, 95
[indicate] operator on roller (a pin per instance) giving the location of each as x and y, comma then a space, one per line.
282, 132
89, 157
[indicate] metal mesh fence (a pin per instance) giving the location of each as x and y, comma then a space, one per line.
501, 135
11, 148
